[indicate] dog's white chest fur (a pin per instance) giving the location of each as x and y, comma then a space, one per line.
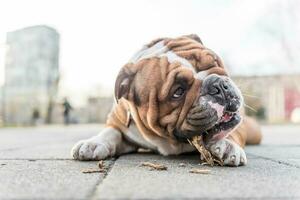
162, 146
134, 136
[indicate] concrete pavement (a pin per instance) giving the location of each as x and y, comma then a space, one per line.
35, 164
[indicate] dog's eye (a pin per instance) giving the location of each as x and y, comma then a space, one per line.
178, 92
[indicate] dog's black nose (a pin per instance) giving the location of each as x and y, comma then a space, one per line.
219, 88
222, 91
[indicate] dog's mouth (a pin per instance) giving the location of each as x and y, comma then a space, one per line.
227, 122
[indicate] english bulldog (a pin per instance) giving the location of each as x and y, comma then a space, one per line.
171, 90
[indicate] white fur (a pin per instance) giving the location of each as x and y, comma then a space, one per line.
160, 50
107, 143
133, 135
234, 155
172, 57
154, 51
201, 75
156, 144
219, 108
165, 148
110, 142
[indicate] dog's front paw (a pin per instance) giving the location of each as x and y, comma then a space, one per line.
228, 151
90, 150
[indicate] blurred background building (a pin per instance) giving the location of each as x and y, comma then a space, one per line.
29, 95
31, 75
273, 98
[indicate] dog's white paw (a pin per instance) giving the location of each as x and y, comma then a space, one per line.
90, 150
231, 153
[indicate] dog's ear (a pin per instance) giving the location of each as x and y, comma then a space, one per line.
122, 84
194, 37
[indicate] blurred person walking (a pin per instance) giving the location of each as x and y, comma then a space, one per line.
35, 117
67, 108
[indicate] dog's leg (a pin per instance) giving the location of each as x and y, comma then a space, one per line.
229, 151
107, 143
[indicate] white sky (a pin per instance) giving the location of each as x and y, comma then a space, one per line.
98, 37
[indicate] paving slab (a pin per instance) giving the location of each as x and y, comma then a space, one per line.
283, 154
35, 164
44, 179
275, 152
50, 142
260, 179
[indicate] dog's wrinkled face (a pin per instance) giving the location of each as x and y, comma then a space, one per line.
171, 96
215, 112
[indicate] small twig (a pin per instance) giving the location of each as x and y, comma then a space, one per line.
200, 171
206, 157
101, 168
219, 162
93, 170
101, 164
154, 166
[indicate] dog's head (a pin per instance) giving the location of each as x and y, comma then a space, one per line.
177, 88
